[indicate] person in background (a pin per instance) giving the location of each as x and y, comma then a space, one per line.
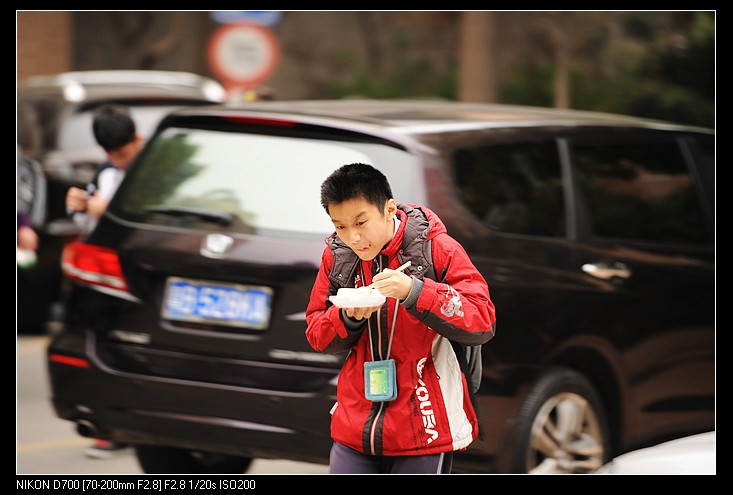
402, 403
27, 238
115, 131
30, 206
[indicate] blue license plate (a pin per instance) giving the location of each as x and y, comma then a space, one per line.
223, 304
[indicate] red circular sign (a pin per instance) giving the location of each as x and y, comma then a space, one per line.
243, 54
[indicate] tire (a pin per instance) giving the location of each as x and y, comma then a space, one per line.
170, 460
561, 427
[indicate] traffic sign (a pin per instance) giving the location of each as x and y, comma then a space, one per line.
243, 54
268, 18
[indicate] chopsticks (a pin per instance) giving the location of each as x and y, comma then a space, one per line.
400, 269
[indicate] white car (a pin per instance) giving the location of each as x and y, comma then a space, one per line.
689, 455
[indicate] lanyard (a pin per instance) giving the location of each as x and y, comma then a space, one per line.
379, 322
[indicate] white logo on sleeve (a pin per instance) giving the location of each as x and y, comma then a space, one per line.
452, 304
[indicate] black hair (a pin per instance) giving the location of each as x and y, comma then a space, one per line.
113, 127
356, 180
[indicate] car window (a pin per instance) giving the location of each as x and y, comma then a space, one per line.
639, 190
261, 183
513, 188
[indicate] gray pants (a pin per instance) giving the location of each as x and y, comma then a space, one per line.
344, 460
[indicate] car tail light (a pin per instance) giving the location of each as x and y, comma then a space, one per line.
262, 121
93, 264
69, 360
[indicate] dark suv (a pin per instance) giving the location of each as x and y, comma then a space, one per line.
54, 115
185, 327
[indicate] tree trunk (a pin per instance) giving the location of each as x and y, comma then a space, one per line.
478, 81
562, 56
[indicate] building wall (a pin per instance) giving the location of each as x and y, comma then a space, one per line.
43, 43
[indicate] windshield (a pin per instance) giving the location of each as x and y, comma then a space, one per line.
188, 177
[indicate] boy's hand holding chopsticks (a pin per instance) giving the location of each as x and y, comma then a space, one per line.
393, 283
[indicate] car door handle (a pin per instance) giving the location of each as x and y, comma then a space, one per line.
607, 271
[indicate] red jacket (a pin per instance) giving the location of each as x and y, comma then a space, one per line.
432, 412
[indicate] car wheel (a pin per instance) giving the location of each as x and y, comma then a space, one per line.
170, 460
561, 427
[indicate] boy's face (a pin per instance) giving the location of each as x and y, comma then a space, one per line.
123, 155
362, 226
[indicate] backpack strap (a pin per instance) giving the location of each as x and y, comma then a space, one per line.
462, 352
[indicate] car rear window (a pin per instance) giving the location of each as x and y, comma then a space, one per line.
250, 183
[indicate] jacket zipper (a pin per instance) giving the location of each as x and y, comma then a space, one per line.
382, 405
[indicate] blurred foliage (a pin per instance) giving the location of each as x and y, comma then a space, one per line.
529, 84
411, 80
673, 79
662, 67
676, 80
